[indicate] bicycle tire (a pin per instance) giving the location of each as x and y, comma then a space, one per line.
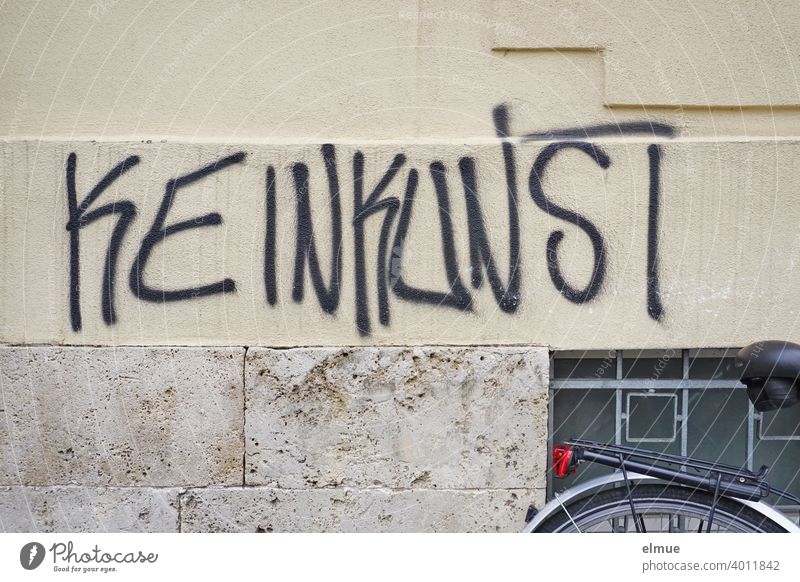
596, 512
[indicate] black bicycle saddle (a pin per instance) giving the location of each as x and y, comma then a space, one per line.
771, 371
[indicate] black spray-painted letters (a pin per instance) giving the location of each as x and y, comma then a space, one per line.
392, 198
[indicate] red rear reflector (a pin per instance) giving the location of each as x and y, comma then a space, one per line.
562, 455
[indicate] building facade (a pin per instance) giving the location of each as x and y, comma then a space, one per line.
351, 265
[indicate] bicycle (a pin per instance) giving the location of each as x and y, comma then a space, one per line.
658, 492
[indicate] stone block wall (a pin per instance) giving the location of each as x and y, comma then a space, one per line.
262, 440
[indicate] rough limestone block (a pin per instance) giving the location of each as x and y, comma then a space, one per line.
88, 509
448, 417
124, 416
264, 509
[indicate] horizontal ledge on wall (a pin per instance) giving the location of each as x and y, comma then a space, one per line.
465, 142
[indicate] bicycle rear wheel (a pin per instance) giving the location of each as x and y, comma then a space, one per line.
662, 508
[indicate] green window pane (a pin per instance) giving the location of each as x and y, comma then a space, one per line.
651, 417
776, 448
585, 414
781, 457
717, 426
655, 366
701, 368
582, 368
651, 423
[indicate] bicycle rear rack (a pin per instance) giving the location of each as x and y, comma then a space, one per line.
719, 479
733, 481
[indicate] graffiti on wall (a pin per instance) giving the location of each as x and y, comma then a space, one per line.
369, 207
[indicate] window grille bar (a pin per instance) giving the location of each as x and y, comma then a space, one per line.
750, 434
645, 383
618, 398
685, 407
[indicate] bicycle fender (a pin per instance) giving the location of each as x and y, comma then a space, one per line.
565, 497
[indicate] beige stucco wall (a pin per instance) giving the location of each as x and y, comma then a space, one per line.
384, 70
204, 80
726, 239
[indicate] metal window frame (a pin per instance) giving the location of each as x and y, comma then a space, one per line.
762, 436
619, 384
651, 394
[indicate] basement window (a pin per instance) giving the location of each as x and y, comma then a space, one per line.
686, 401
